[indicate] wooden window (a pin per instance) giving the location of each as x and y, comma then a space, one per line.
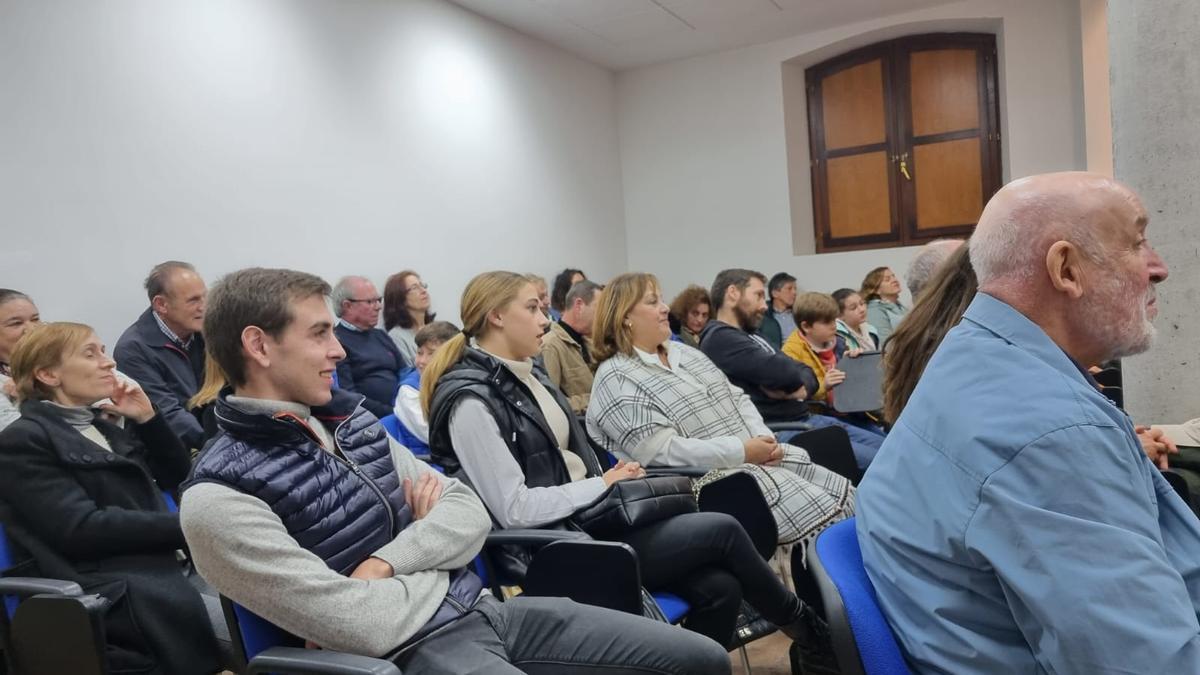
904, 140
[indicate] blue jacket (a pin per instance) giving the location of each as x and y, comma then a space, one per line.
1012, 524
407, 438
169, 375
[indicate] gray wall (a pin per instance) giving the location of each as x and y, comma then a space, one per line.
1156, 148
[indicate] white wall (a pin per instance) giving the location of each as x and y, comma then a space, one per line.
333, 136
705, 162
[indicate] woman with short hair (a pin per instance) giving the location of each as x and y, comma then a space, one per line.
18, 316
84, 496
691, 309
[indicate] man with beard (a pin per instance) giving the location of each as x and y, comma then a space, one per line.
777, 384
1011, 522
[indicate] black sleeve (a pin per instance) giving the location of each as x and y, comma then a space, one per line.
166, 455
741, 359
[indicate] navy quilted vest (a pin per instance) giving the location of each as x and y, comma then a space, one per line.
341, 507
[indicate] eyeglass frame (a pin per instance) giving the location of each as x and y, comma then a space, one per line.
371, 301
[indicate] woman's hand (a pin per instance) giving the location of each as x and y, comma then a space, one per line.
623, 471
1156, 445
762, 450
128, 400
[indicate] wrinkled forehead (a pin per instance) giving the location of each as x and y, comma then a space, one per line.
1120, 212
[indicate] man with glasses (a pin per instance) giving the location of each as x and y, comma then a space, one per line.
373, 363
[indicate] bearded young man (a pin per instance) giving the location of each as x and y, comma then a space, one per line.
1011, 522
777, 384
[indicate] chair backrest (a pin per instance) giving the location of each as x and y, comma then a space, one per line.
863, 389
391, 424
862, 639
830, 447
251, 634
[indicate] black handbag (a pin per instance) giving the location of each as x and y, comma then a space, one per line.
629, 504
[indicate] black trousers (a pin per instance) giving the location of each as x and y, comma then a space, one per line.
708, 560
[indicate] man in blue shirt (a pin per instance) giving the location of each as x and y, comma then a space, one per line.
1011, 522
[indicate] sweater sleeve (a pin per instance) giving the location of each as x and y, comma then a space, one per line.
496, 475
449, 536
242, 548
738, 355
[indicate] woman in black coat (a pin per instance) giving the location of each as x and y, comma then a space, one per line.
83, 495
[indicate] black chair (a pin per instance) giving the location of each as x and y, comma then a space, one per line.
49, 626
1109, 377
830, 447
1114, 394
1181, 486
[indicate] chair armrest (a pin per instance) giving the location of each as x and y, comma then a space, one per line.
689, 471
533, 537
297, 661
789, 426
27, 586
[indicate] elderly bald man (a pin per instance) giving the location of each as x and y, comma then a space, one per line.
1011, 522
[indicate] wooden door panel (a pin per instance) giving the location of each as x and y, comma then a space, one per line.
948, 183
859, 198
945, 91
853, 106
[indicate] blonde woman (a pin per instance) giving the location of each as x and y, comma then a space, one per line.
85, 499
662, 403
496, 419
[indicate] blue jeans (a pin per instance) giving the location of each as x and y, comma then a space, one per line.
864, 442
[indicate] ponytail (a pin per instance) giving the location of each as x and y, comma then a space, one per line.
447, 355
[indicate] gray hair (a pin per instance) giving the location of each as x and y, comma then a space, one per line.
156, 281
582, 290
928, 260
8, 294
343, 291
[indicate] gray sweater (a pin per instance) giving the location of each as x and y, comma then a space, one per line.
242, 548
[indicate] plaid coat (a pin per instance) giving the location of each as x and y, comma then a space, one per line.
632, 400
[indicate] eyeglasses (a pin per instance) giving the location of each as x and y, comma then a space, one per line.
414, 287
369, 301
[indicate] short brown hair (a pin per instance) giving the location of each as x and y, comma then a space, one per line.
731, 277
813, 308
438, 331
252, 297
610, 335
44, 347
156, 282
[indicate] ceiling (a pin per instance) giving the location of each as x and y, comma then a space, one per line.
624, 34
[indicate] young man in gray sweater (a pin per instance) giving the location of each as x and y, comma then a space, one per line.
306, 513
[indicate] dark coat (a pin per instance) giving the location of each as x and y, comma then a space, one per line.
168, 374
98, 518
754, 366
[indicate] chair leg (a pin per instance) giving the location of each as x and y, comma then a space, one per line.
745, 659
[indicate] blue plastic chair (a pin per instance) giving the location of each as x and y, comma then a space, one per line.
862, 639
391, 424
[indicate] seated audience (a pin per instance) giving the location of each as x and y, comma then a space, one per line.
83, 496
406, 311
778, 385
562, 285
881, 290
543, 293
813, 344
852, 324
307, 514
484, 390
1028, 533
777, 322
163, 351
690, 309
373, 361
565, 347
414, 429
662, 403
927, 262
18, 316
